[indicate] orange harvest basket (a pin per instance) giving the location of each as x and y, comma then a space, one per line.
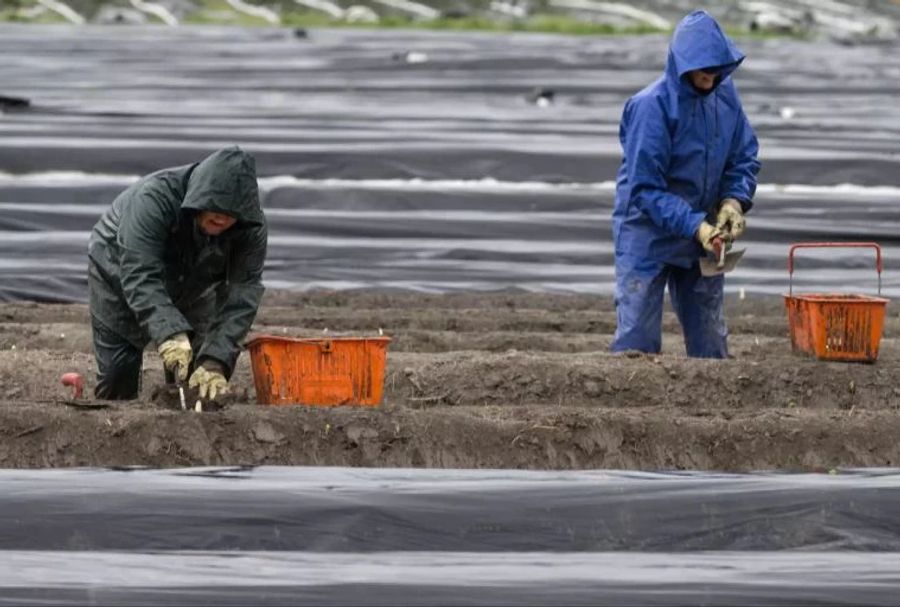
836, 326
316, 371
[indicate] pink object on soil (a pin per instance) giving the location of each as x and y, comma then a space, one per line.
74, 380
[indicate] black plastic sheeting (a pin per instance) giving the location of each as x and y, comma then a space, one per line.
336, 536
435, 578
369, 510
435, 176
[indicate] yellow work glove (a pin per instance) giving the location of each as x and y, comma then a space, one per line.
706, 233
176, 354
731, 219
210, 382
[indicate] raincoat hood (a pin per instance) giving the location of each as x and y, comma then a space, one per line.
225, 182
699, 42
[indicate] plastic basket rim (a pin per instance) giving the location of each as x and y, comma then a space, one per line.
313, 340
842, 298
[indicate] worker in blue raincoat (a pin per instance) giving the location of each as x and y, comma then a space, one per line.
688, 176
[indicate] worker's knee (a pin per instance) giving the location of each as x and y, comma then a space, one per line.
118, 384
118, 366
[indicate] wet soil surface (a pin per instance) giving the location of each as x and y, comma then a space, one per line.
505, 380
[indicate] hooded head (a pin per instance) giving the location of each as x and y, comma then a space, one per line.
225, 183
697, 43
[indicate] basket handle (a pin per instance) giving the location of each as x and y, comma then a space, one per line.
879, 265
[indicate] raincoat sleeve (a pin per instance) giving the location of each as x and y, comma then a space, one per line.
647, 146
237, 300
142, 236
742, 166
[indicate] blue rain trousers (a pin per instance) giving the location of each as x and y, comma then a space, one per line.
698, 303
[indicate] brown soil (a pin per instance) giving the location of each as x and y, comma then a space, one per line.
474, 380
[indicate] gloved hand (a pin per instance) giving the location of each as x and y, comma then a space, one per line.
731, 219
706, 233
176, 354
209, 379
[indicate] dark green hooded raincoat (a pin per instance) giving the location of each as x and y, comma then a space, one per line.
153, 273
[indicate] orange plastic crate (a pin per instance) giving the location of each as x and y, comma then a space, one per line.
316, 371
835, 326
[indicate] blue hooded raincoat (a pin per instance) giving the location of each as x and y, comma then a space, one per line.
684, 151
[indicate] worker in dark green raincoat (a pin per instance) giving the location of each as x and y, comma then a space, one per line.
177, 261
